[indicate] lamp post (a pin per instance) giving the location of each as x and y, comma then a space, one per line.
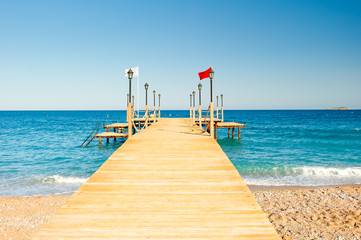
130, 76
154, 110
159, 106
133, 100
194, 106
146, 86
211, 75
200, 105
217, 106
190, 105
129, 108
222, 106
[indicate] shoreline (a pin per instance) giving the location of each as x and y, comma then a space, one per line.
293, 187
297, 213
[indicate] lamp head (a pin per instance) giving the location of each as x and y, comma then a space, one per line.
130, 74
211, 74
200, 86
154, 92
194, 93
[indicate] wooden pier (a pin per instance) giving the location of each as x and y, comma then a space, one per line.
169, 181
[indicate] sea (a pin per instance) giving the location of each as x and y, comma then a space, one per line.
40, 152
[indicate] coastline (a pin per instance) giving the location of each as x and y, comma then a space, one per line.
299, 213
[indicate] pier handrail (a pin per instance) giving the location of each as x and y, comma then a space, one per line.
92, 134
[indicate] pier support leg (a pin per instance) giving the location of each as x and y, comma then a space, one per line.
229, 132
129, 118
200, 116
107, 140
115, 139
233, 133
239, 133
100, 141
215, 131
212, 119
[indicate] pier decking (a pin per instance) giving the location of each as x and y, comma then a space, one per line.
169, 181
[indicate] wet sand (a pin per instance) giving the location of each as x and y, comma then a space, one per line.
328, 213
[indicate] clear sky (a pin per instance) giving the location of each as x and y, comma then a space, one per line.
266, 54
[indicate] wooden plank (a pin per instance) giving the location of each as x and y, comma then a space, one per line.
170, 181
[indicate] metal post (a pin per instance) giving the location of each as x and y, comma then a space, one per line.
217, 107
159, 106
222, 106
211, 75
190, 106
194, 107
154, 110
200, 105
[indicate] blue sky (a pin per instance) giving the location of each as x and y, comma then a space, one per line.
265, 54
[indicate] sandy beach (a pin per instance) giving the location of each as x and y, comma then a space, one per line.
328, 213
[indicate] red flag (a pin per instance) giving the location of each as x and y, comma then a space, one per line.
204, 74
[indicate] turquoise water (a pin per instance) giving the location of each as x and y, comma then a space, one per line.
40, 151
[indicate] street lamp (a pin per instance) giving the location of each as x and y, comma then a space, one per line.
194, 98
211, 75
200, 89
159, 106
130, 76
146, 85
154, 97
222, 105
194, 106
190, 106
200, 105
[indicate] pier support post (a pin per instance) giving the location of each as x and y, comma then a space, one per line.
129, 117
239, 133
200, 115
212, 120
146, 116
222, 113
215, 131
100, 141
229, 132
194, 115
233, 133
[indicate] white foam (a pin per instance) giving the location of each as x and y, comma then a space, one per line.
62, 179
309, 176
329, 172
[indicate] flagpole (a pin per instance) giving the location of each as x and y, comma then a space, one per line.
138, 93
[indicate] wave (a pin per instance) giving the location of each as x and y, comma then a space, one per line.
329, 172
308, 176
62, 179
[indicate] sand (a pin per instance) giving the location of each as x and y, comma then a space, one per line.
329, 213
22, 217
